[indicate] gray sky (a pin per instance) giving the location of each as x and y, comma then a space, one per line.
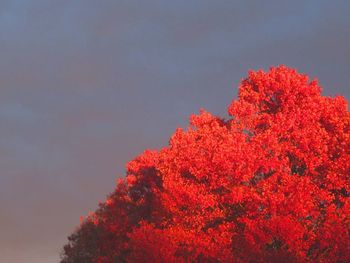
87, 85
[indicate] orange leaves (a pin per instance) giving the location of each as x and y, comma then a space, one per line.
271, 183
147, 159
131, 179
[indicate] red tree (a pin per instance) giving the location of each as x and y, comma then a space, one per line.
272, 183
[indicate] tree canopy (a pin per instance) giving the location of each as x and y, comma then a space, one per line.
269, 184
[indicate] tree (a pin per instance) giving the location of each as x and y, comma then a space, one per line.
270, 184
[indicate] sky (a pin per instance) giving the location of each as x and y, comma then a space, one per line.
85, 86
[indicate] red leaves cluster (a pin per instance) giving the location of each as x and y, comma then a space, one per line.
271, 184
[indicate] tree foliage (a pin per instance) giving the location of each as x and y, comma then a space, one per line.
270, 184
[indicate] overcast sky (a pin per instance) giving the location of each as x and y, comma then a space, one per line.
87, 85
